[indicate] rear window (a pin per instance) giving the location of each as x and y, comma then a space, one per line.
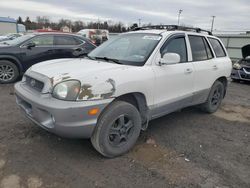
217, 47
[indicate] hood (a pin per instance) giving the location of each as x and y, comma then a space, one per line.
245, 51
63, 69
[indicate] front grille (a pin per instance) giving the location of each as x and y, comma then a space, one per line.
35, 84
247, 69
244, 75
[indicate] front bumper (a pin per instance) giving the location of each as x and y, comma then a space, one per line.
240, 75
64, 118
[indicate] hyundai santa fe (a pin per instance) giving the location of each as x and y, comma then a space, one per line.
113, 93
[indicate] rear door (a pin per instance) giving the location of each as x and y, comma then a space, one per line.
67, 46
222, 61
204, 65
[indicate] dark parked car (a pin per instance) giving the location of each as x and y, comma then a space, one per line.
241, 69
17, 55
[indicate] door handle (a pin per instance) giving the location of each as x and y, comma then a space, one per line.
215, 67
188, 71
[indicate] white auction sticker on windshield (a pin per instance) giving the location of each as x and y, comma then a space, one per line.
148, 37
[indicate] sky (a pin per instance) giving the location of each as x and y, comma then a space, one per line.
230, 14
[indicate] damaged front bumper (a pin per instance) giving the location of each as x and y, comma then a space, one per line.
64, 118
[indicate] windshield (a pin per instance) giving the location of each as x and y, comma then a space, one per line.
129, 49
19, 40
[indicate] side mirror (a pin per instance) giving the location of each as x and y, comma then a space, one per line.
170, 58
31, 45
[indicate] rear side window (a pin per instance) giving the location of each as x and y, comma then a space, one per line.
217, 47
198, 48
66, 41
178, 46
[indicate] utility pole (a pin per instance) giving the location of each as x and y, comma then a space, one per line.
179, 16
212, 26
139, 25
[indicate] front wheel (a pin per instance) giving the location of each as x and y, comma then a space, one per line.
215, 98
8, 72
118, 129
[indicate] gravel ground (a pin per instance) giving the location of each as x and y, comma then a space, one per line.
184, 149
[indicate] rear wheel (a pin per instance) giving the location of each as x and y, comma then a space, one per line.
215, 98
8, 72
117, 129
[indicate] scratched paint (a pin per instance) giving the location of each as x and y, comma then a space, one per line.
59, 78
102, 90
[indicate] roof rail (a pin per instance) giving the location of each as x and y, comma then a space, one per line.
172, 28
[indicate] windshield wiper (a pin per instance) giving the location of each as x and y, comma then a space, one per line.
109, 59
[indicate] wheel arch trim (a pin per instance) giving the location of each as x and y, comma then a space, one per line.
13, 60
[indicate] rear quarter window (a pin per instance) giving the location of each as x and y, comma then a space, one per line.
217, 47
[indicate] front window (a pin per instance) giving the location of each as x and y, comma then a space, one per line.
178, 46
43, 40
128, 49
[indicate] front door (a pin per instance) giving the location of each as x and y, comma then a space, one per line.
174, 82
42, 51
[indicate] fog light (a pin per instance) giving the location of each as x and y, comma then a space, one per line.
93, 111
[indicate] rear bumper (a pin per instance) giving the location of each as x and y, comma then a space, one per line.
240, 75
64, 118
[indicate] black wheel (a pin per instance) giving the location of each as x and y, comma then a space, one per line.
214, 99
118, 129
8, 72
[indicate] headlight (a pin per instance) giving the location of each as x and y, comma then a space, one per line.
237, 66
67, 90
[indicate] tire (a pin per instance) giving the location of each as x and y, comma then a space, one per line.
109, 137
8, 72
214, 98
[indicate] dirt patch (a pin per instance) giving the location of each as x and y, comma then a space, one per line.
234, 113
12, 181
34, 182
2, 163
173, 166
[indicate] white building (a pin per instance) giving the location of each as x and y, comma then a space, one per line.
234, 43
66, 29
8, 25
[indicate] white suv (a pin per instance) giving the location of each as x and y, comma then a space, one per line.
112, 94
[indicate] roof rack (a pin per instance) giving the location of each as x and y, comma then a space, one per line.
172, 28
